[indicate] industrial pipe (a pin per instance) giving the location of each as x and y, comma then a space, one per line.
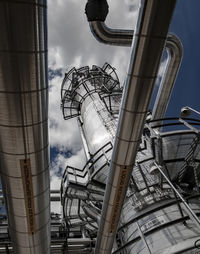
175, 53
148, 44
24, 149
122, 37
110, 36
96, 12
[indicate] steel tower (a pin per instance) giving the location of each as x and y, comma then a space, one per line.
159, 213
151, 166
139, 190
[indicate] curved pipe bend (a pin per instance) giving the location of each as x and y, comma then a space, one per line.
122, 37
175, 53
109, 36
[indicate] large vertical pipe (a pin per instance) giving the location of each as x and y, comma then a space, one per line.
24, 152
148, 43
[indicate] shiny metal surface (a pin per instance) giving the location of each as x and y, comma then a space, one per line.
175, 53
174, 49
24, 123
188, 209
94, 123
92, 213
119, 37
94, 95
149, 40
107, 35
99, 128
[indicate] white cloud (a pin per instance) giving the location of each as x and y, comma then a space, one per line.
161, 70
55, 58
63, 134
71, 41
59, 164
61, 161
71, 44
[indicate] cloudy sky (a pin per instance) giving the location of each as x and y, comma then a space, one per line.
71, 44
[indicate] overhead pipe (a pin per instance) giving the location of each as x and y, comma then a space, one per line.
110, 36
174, 48
96, 12
123, 37
148, 44
24, 150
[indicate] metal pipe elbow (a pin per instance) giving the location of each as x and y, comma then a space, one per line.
109, 36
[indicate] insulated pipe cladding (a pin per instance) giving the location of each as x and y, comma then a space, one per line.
122, 37
148, 44
24, 151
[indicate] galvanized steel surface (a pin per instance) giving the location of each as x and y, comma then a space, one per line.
24, 151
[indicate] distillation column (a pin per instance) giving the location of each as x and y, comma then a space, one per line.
154, 218
160, 210
93, 96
